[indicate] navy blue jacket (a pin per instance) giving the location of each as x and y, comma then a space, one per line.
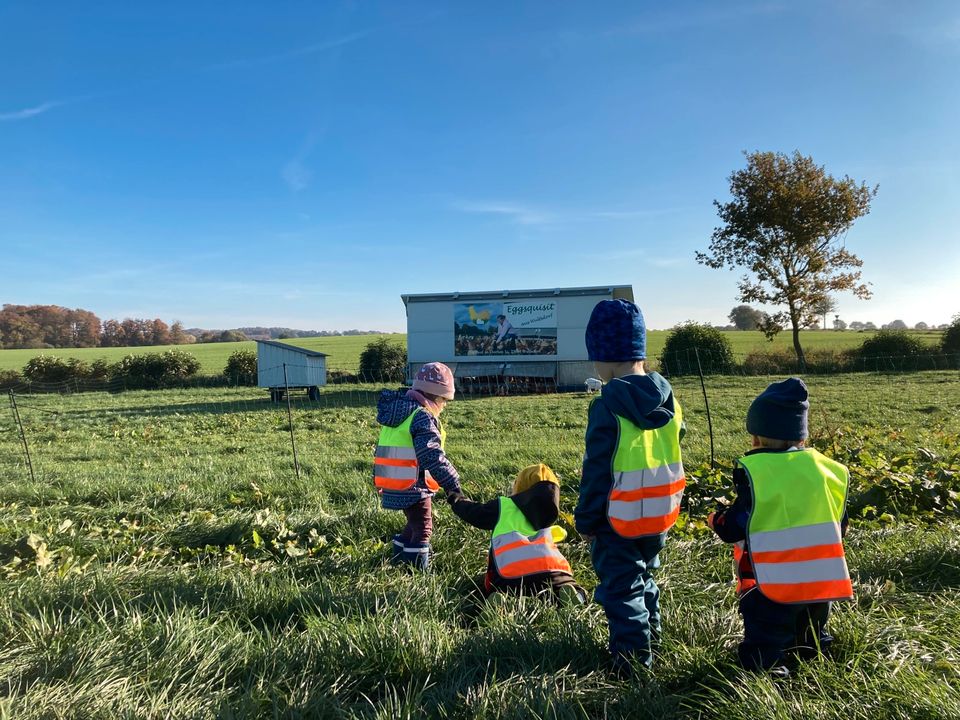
393, 407
644, 400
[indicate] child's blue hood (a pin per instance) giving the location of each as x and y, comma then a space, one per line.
393, 407
644, 400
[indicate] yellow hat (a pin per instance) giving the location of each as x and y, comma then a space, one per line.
533, 474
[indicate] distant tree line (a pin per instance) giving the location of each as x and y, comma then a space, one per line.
53, 326
284, 333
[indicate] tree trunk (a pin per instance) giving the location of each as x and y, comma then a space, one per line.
801, 360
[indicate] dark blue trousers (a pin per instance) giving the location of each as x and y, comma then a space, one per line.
772, 630
628, 593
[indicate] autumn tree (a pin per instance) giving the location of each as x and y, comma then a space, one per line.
179, 336
785, 226
745, 317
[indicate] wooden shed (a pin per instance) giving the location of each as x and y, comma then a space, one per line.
282, 367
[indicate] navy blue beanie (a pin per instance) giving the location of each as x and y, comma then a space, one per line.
780, 411
616, 332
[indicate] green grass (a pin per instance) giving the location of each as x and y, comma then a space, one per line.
167, 562
345, 352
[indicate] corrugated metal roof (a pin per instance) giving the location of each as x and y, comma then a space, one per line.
520, 294
286, 346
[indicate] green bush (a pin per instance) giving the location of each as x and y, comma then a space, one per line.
155, 370
48, 369
690, 342
950, 342
99, 370
895, 350
9, 379
383, 361
784, 362
241, 368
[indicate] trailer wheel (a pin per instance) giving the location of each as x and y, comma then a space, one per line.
313, 393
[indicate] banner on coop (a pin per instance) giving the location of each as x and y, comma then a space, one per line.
505, 328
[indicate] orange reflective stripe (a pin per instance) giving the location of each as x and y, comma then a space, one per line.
648, 492
395, 462
820, 591
816, 552
645, 526
519, 543
534, 566
391, 484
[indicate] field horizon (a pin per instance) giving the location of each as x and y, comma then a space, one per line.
344, 351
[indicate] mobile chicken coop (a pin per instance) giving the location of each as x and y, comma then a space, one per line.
282, 367
506, 341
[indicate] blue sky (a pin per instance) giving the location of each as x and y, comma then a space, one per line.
303, 164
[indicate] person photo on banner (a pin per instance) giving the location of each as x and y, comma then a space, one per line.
504, 331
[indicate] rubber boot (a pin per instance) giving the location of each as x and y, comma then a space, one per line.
417, 555
396, 549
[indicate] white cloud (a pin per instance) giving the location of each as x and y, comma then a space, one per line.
295, 172
296, 175
523, 214
30, 111
298, 52
519, 214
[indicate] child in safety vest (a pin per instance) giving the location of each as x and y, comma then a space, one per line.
410, 464
632, 479
787, 524
523, 556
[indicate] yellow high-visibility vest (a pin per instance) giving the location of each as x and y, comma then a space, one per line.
648, 478
519, 549
395, 465
794, 534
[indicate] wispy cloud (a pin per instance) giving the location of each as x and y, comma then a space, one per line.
294, 53
30, 112
519, 214
682, 20
295, 172
524, 214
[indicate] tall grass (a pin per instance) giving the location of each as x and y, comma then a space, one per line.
167, 562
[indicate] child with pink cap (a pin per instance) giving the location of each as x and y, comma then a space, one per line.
410, 464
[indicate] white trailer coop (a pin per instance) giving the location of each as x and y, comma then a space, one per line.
282, 367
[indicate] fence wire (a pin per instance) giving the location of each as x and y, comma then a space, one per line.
241, 432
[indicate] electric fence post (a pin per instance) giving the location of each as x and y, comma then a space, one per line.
706, 400
23, 435
293, 441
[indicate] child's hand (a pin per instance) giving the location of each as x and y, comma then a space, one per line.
710, 521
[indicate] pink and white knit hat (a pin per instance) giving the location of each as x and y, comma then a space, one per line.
435, 378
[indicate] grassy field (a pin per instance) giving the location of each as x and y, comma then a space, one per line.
167, 562
345, 351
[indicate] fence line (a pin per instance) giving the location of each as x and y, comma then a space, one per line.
692, 361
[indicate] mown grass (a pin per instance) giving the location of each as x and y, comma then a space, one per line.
345, 351
167, 562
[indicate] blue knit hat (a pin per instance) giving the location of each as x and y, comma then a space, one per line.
616, 332
780, 411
